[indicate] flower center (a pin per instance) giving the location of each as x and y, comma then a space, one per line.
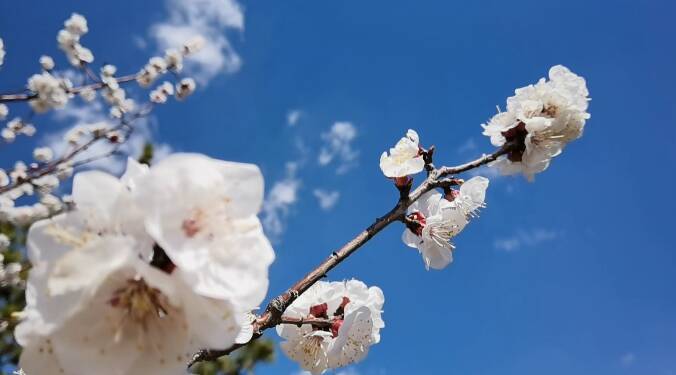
140, 301
516, 135
416, 223
321, 311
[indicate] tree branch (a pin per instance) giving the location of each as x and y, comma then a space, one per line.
53, 166
22, 97
273, 313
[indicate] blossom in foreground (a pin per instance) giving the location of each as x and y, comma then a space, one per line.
104, 297
542, 119
202, 212
436, 219
404, 159
354, 311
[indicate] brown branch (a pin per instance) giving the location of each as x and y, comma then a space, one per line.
273, 313
21, 97
317, 322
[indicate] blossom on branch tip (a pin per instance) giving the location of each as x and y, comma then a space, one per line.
540, 120
433, 221
405, 158
185, 88
46, 62
354, 311
69, 40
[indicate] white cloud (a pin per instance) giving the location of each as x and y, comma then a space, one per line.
467, 146
210, 19
628, 359
293, 117
91, 113
279, 200
338, 146
326, 199
522, 238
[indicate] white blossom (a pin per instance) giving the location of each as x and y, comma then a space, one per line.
8, 135
4, 111
185, 88
161, 93
108, 70
97, 302
404, 159
153, 69
541, 118
194, 45
203, 213
173, 59
46, 62
69, 40
76, 24
43, 154
355, 314
27, 129
88, 94
437, 219
51, 92
103, 310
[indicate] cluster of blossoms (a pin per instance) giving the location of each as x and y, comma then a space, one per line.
16, 127
434, 219
52, 92
353, 313
43, 187
146, 269
172, 61
541, 119
69, 40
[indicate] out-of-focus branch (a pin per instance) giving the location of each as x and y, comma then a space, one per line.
273, 313
21, 97
125, 127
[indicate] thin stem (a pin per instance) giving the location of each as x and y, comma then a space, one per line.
273, 313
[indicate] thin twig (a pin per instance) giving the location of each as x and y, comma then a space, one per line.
273, 313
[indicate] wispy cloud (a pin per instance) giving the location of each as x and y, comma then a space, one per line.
326, 199
525, 239
628, 359
279, 200
209, 18
92, 113
293, 117
338, 147
467, 146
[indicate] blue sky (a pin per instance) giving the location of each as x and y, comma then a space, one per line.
571, 274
